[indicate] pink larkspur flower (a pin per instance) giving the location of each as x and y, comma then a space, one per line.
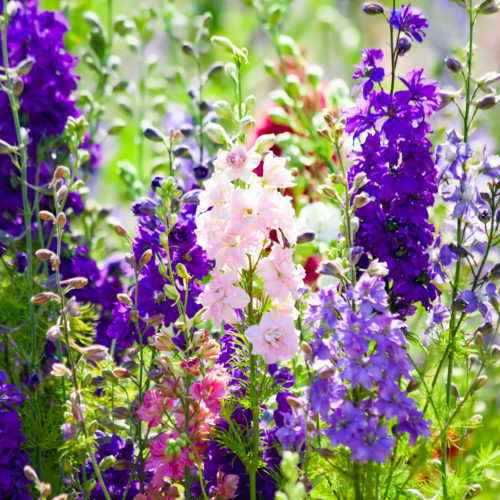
164, 464
221, 297
153, 407
212, 388
281, 276
275, 338
227, 485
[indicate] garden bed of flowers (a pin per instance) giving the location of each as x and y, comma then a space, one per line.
249, 250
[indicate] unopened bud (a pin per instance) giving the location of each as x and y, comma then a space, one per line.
153, 134
264, 143
122, 373
163, 342
61, 219
495, 352
360, 200
60, 370
326, 453
487, 102
480, 382
43, 298
46, 215
78, 282
360, 180
122, 464
124, 299
61, 194
181, 271
471, 360
17, 87
373, 8
171, 292
45, 490
306, 348
413, 385
459, 304
485, 329
306, 237
145, 257
95, 352
120, 231
25, 66
479, 338
54, 333
110, 376
377, 269
30, 474
455, 391
44, 254
331, 268
453, 64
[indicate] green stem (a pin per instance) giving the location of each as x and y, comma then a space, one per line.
256, 432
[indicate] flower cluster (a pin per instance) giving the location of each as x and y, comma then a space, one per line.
151, 297
13, 459
360, 357
238, 222
45, 104
186, 405
395, 154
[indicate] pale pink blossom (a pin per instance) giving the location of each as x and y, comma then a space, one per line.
281, 276
277, 213
217, 192
221, 297
237, 163
275, 338
275, 173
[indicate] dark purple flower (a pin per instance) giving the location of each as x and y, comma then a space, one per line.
410, 20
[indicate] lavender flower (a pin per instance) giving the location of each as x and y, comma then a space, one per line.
357, 394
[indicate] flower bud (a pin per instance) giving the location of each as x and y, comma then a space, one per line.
413, 385
495, 352
485, 329
110, 376
94, 352
46, 215
61, 219
60, 370
306, 348
163, 342
454, 390
360, 200
61, 194
486, 102
45, 490
17, 87
122, 373
44, 254
153, 134
124, 299
453, 64
216, 133
120, 231
373, 8
145, 257
78, 282
294, 403
43, 298
25, 66
306, 237
181, 271
30, 474
480, 382
404, 44
171, 292
377, 269
331, 268
471, 360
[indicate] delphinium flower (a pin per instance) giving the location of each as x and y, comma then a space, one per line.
13, 459
117, 477
35, 39
152, 298
360, 356
234, 221
390, 129
274, 430
185, 404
